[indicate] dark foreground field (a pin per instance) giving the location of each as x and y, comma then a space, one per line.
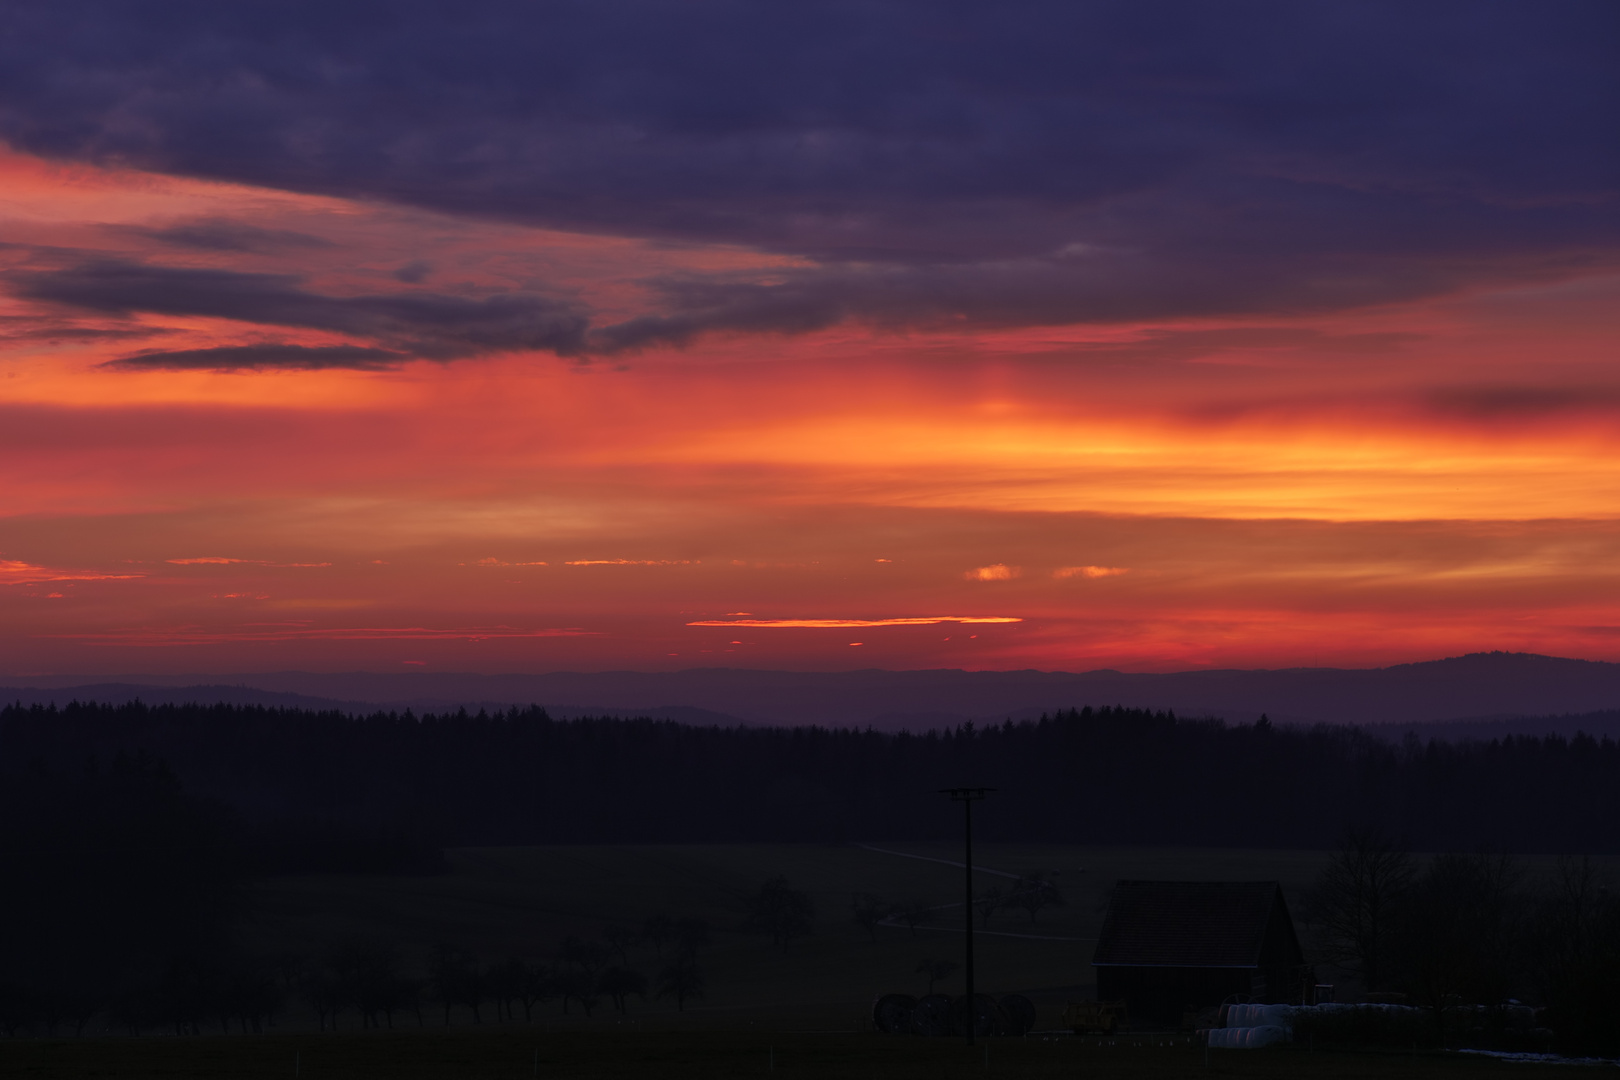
522, 1054
806, 1008
498, 902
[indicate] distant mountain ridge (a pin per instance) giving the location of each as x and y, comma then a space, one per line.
1478, 688
212, 694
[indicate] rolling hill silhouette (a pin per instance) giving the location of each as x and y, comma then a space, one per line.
1476, 687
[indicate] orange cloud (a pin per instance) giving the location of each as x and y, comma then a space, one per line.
214, 560
13, 572
1090, 571
188, 635
821, 624
993, 572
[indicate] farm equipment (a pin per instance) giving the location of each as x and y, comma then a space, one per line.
1096, 1017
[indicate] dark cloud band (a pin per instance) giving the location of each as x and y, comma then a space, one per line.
215, 234
1225, 158
261, 357
432, 326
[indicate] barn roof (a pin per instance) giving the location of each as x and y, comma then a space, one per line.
1190, 923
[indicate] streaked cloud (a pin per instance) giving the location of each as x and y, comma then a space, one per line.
425, 325
218, 560
225, 235
1090, 571
16, 572
260, 358
188, 635
822, 624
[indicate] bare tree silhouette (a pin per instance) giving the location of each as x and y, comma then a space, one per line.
1461, 932
659, 929
681, 980
868, 911
915, 913
507, 983
619, 983
988, 902
1356, 903
455, 979
935, 970
581, 962
1577, 941
1034, 891
620, 939
781, 911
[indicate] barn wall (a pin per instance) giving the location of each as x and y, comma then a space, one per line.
1281, 961
1159, 995
1280, 947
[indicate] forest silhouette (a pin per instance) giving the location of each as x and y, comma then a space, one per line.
323, 791
138, 828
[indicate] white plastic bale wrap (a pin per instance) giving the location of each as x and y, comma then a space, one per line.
1246, 1038
1244, 1016
1344, 1006
1249, 1027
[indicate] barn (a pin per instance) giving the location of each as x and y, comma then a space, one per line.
1170, 946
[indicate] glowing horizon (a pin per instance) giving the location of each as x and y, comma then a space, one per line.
1277, 401
563, 470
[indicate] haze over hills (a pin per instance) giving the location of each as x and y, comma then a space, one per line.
1479, 687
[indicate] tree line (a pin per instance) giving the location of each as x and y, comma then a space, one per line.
327, 790
124, 893
361, 984
1030, 892
1468, 937
122, 904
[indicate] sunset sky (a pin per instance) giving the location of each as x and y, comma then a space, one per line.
488, 337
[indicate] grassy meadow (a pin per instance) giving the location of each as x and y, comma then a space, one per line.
498, 902
802, 1012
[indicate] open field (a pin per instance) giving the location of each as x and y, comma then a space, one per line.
499, 902
504, 901
521, 1054
806, 1010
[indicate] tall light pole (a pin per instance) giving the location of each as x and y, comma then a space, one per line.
967, 796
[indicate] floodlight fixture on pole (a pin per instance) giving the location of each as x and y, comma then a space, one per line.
967, 796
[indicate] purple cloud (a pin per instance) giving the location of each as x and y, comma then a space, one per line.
1009, 163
